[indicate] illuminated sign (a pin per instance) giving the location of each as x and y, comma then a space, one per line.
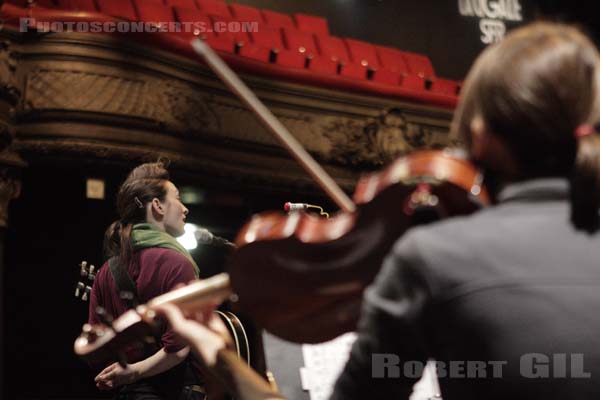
491, 14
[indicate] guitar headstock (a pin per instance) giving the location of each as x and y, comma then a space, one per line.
110, 341
87, 275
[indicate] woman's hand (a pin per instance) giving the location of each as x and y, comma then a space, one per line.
114, 376
204, 332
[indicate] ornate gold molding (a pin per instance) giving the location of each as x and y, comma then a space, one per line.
190, 112
9, 93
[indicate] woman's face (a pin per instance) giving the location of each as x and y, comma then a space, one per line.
174, 211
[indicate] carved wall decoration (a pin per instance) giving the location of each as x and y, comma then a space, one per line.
85, 91
8, 65
349, 142
377, 141
180, 105
9, 92
239, 123
167, 103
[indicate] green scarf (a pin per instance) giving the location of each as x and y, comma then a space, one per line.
148, 235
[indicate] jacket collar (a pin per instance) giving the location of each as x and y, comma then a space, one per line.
535, 189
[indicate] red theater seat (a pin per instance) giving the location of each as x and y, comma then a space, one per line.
118, 8
394, 69
153, 11
228, 28
444, 86
299, 41
268, 37
202, 24
389, 77
78, 5
291, 59
241, 12
190, 15
333, 48
182, 3
265, 44
277, 20
362, 53
413, 81
312, 23
353, 70
322, 65
221, 43
419, 64
255, 52
392, 59
214, 7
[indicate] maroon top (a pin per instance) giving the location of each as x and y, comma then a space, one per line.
155, 271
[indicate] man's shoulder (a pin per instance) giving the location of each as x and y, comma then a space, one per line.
454, 230
452, 245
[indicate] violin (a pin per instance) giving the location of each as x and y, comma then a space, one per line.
302, 277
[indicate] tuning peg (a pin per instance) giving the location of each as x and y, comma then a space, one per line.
84, 270
79, 288
86, 293
92, 274
104, 317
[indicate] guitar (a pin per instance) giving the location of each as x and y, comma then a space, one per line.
108, 342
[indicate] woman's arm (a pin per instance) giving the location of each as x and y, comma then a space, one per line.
114, 375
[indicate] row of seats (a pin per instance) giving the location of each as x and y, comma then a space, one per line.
301, 42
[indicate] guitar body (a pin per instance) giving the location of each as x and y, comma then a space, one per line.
214, 388
238, 334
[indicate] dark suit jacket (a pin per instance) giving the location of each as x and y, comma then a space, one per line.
507, 300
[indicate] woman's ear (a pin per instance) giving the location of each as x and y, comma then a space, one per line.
157, 207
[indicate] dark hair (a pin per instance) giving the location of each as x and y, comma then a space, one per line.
144, 183
533, 90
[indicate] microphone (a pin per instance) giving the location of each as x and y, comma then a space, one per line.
295, 206
204, 236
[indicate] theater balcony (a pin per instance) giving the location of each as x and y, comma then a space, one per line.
108, 97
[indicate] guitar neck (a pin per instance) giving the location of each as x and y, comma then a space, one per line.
213, 290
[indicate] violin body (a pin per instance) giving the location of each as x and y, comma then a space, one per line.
302, 277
